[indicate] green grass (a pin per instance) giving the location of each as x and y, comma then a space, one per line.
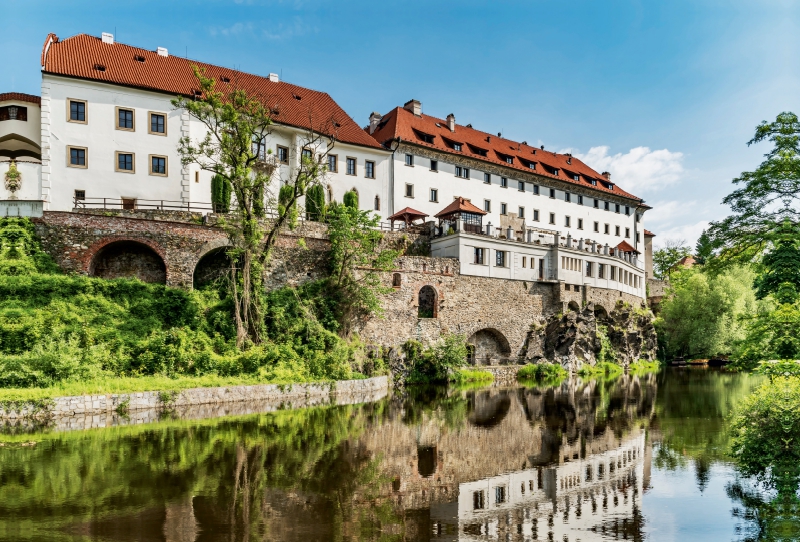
463, 376
549, 374
123, 384
643, 367
601, 369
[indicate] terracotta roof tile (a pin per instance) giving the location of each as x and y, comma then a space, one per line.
20, 97
413, 214
490, 148
624, 246
80, 56
460, 204
648, 233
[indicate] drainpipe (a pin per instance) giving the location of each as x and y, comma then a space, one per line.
391, 177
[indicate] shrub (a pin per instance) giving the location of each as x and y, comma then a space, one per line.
542, 372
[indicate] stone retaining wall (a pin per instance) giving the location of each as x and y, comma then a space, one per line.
504, 375
81, 412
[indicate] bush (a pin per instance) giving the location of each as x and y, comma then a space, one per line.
464, 376
542, 372
434, 364
350, 199
601, 368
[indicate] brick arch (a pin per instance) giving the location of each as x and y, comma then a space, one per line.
419, 286
207, 250
89, 256
209, 246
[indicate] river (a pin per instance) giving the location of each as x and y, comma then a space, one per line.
635, 458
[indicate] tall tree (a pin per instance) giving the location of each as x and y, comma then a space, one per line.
704, 248
667, 256
237, 125
220, 194
315, 203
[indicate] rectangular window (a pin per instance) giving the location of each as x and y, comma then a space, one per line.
567, 197
627, 233
524, 264
536, 215
77, 111
80, 195
478, 500
613, 274
76, 157
487, 206
580, 200
500, 494
14, 112
478, 253
409, 159
125, 162
306, 155
500, 258
283, 155
597, 227
638, 237
606, 229
158, 165
616, 207
258, 148
503, 209
606, 205
503, 182
627, 211
616, 231
369, 169
552, 218
377, 205
128, 204
457, 147
589, 269
409, 190
434, 165
158, 123
566, 222
125, 119
487, 178
580, 223
333, 163
521, 186
509, 159
536, 189
596, 203
462, 172
553, 193
601, 271
351, 166
434, 195
521, 212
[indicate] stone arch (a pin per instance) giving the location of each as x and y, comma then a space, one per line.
427, 461
573, 306
212, 262
489, 346
488, 409
600, 313
427, 302
131, 258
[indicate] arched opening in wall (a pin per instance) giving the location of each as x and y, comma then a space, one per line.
377, 203
489, 346
330, 193
397, 280
427, 461
600, 313
573, 306
212, 267
428, 303
488, 409
128, 259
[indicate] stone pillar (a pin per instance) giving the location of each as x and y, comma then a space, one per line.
580, 244
489, 229
569, 240
594, 247
556, 239
530, 236
605, 250
510, 233
459, 225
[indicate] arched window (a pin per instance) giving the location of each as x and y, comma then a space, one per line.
428, 305
377, 203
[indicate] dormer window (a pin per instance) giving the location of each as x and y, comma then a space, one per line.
576, 177
457, 147
555, 172
139, 58
477, 150
225, 79
425, 138
594, 182
610, 186
509, 159
99, 67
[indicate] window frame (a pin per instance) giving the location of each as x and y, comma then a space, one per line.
367, 164
409, 160
435, 166
117, 110
434, 195
478, 251
606, 229
462, 172
150, 165
150, 123
535, 215
567, 221
552, 218
521, 186
278, 149
406, 193
580, 223
503, 208
521, 212
335, 159
616, 231
487, 178
347, 166
500, 259
487, 205
85, 157
85, 111
503, 182
536, 190
627, 233
133, 162
596, 227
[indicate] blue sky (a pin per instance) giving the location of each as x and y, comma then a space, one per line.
664, 95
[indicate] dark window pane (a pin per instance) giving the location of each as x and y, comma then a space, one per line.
159, 165
157, 123
125, 161
126, 118
77, 157
77, 111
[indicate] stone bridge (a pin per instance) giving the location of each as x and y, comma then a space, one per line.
164, 247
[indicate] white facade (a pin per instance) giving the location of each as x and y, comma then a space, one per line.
102, 139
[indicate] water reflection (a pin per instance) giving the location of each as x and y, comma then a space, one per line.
570, 462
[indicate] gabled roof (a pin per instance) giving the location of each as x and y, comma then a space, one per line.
401, 123
20, 97
459, 204
81, 57
625, 247
407, 214
648, 233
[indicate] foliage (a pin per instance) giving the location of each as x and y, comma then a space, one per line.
704, 248
773, 333
542, 372
356, 260
701, 315
607, 353
287, 205
666, 257
643, 367
779, 268
463, 376
220, 194
600, 369
435, 363
315, 203
350, 199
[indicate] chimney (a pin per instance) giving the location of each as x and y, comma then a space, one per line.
108, 38
162, 51
273, 77
374, 120
451, 122
415, 106
607, 175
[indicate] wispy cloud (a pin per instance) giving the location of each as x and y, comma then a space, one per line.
272, 32
639, 170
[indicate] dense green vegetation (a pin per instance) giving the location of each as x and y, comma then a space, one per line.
436, 363
551, 373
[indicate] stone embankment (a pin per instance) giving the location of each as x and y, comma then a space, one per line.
90, 411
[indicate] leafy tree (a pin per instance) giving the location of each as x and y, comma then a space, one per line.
666, 257
779, 271
704, 248
351, 199
315, 203
234, 147
356, 260
220, 194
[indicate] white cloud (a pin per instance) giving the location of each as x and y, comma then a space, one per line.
686, 232
640, 169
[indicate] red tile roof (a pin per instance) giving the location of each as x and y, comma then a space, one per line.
459, 204
79, 56
401, 123
625, 247
407, 212
20, 97
648, 233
